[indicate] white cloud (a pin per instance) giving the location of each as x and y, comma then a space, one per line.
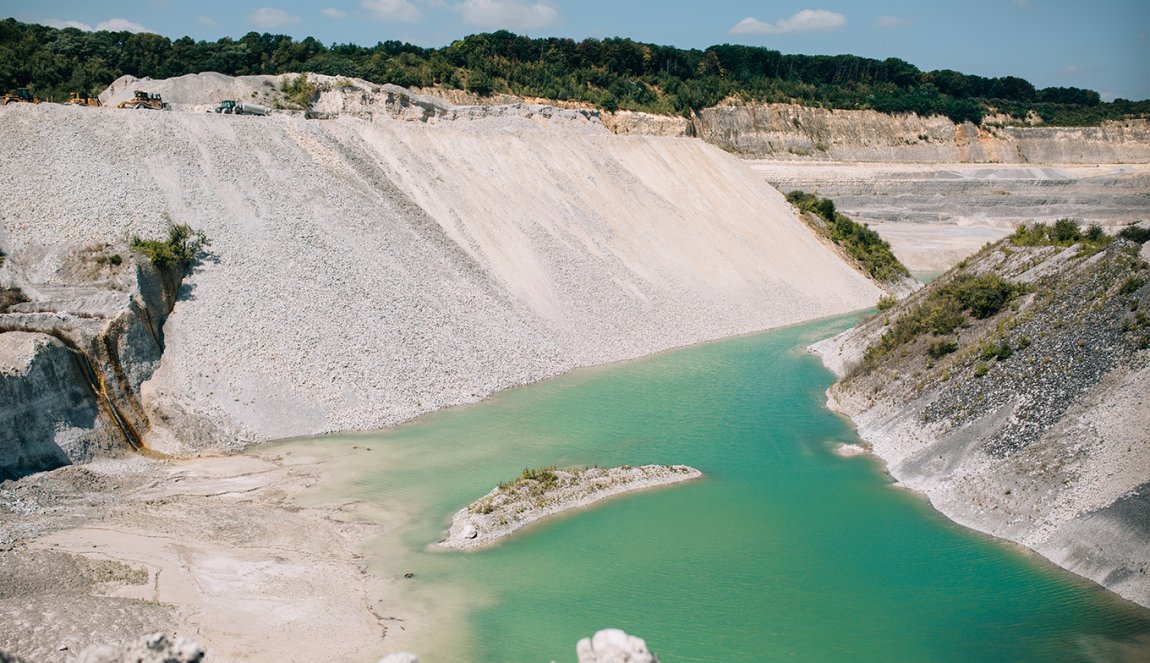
111, 25
808, 20
206, 21
892, 22
393, 10
332, 12
60, 25
270, 17
514, 14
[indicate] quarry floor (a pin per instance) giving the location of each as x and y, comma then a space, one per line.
935, 214
102, 553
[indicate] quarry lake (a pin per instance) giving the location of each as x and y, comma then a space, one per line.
784, 550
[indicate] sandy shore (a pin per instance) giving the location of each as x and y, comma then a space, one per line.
540, 494
217, 546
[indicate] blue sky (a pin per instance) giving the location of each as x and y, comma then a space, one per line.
1102, 45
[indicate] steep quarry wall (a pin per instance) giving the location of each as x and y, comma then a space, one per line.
788, 131
47, 414
1034, 425
363, 272
75, 353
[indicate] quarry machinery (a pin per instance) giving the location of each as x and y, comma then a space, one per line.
151, 101
78, 99
19, 95
231, 107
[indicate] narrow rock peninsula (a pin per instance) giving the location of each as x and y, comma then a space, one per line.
537, 494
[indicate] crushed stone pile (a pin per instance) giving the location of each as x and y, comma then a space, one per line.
364, 272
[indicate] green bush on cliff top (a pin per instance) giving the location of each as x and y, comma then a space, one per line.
182, 249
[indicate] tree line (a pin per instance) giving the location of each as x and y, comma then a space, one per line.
611, 73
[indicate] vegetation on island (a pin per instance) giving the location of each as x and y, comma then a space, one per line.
182, 248
858, 240
607, 73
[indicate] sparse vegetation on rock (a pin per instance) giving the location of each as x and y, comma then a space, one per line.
182, 248
1063, 232
538, 493
860, 242
1028, 423
947, 306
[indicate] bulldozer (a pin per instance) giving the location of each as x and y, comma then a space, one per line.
151, 101
78, 99
19, 95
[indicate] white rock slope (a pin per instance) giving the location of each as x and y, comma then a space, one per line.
367, 271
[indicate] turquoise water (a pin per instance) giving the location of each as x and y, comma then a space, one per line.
785, 551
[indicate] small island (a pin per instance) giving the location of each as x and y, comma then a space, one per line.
539, 493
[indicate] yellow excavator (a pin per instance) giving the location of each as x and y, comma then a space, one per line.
145, 100
78, 99
20, 95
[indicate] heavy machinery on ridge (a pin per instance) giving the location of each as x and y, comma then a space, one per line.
231, 107
148, 100
19, 95
78, 99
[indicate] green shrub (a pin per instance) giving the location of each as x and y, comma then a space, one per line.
982, 295
182, 249
886, 302
1064, 232
299, 92
1131, 285
945, 310
544, 475
860, 242
1135, 234
980, 369
940, 349
997, 351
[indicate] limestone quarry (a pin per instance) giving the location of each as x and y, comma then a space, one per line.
366, 270
384, 254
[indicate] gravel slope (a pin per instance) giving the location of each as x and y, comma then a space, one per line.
364, 272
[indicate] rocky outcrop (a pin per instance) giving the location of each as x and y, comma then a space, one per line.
74, 354
1031, 424
612, 645
155, 648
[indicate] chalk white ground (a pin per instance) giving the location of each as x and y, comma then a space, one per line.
366, 272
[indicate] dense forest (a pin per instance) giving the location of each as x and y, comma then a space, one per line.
608, 73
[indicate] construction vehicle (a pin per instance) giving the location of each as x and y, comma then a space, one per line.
151, 101
230, 107
78, 99
19, 95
